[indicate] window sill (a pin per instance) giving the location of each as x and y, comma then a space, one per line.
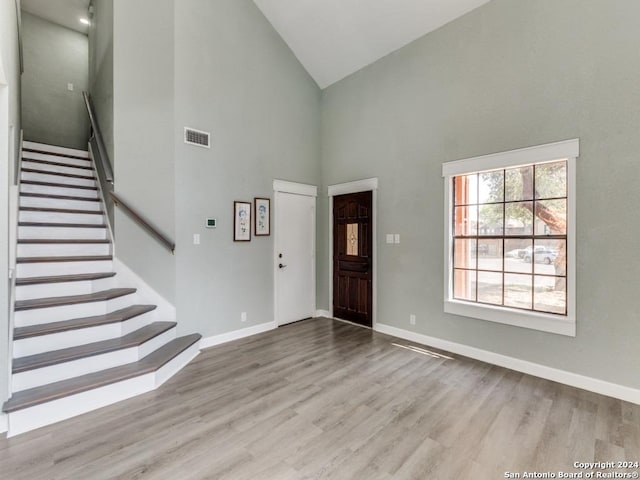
519, 318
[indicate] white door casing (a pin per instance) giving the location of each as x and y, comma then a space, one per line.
295, 250
365, 185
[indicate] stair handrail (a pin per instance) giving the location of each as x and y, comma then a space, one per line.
163, 239
102, 149
107, 173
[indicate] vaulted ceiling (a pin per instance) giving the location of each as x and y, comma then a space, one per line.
335, 38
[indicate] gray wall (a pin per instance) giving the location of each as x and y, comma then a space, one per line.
510, 74
101, 68
143, 109
237, 79
9, 59
53, 57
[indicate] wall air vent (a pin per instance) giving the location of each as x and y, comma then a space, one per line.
196, 137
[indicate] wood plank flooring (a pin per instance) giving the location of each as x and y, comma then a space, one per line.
322, 399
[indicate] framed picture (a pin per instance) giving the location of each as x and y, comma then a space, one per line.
263, 216
241, 221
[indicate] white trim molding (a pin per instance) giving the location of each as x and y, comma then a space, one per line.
236, 334
353, 187
322, 313
602, 387
558, 324
4, 424
296, 188
512, 158
365, 185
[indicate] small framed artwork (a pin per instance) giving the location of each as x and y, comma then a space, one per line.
241, 221
263, 216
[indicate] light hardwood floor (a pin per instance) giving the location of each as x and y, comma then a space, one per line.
324, 399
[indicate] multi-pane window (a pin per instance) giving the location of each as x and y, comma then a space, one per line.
510, 237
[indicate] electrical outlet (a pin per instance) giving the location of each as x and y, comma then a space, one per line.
243, 317
70, 87
196, 239
412, 319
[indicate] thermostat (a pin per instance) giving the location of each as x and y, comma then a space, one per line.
211, 223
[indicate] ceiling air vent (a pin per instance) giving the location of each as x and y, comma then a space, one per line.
196, 137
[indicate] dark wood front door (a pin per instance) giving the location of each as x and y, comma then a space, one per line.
352, 257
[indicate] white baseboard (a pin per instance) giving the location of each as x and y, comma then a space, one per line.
322, 313
609, 389
126, 277
236, 334
4, 424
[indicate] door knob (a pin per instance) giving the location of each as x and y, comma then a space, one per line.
281, 265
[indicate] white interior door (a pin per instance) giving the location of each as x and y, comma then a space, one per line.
295, 257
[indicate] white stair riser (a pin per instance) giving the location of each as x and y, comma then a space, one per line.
54, 158
27, 270
91, 233
69, 191
69, 170
37, 416
61, 289
55, 411
39, 316
55, 149
82, 336
45, 177
83, 366
40, 202
58, 217
62, 249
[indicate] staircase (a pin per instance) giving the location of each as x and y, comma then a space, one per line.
80, 340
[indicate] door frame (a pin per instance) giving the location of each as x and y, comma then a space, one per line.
365, 185
284, 186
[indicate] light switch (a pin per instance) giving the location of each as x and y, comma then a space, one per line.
389, 237
196, 239
396, 238
70, 87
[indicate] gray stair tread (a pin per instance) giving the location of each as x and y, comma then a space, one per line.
78, 277
61, 210
58, 174
56, 259
56, 154
58, 197
121, 315
133, 339
56, 164
61, 225
56, 184
72, 299
29, 241
64, 388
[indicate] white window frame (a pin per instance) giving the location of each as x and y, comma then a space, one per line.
568, 150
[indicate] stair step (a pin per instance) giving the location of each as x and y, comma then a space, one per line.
56, 154
20, 333
57, 174
60, 241
61, 210
59, 197
133, 339
65, 388
92, 258
56, 164
55, 184
102, 296
65, 225
64, 278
